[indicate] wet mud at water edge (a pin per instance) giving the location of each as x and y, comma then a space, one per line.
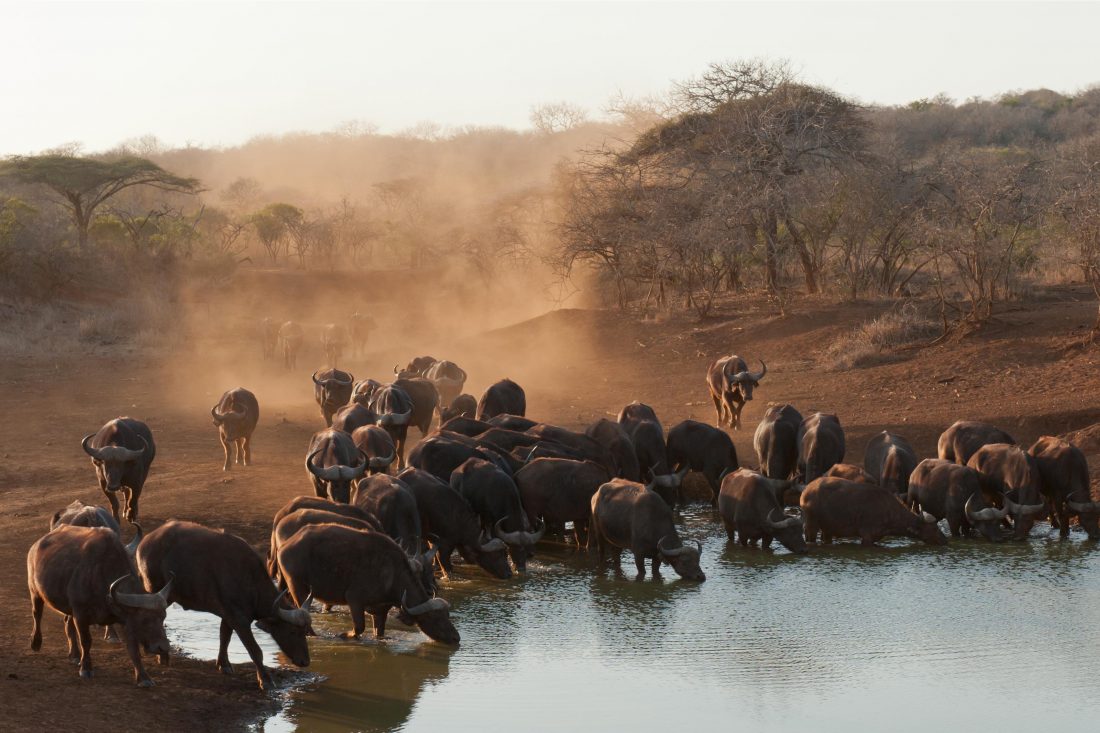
903, 636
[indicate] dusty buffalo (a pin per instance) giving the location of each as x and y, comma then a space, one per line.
334, 463
559, 490
511, 422
375, 443
394, 408
731, 385
442, 454
235, 416
1065, 483
360, 327
1012, 475
219, 573
122, 452
334, 338
300, 503
699, 447
465, 425
448, 518
820, 445
890, 459
613, 437
353, 416
392, 503
503, 398
836, 507
85, 574
634, 413
290, 339
581, 445
425, 400
79, 514
648, 438
627, 515
851, 472
949, 491
363, 390
332, 390
269, 337
493, 495
368, 572
464, 405
415, 368
749, 505
448, 379
776, 441
963, 439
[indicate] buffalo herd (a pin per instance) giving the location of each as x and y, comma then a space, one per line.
491, 483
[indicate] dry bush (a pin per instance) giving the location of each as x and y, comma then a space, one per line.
876, 341
40, 330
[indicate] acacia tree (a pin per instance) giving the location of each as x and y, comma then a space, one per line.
1077, 209
276, 224
83, 185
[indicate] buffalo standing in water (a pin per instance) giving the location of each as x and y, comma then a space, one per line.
836, 507
965, 437
949, 491
1064, 473
776, 442
750, 506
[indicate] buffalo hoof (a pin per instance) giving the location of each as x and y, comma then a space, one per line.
162, 659
225, 668
266, 683
85, 674
146, 683
350, 635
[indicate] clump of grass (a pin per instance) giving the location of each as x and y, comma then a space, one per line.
876, 341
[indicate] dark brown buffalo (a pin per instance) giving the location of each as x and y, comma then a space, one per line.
122, 452
505, 440
648, 438
821, 445
559, 490
627, 515
299, 503
441, 454
219, 573
334, 338
464, 425
363, 390
613, 437
86, 575
425, 400
699, 447
394, 408
415, 368
890, 459
290, 339
1010, 474
584, 447
511, 422
448, 379
503, 398
494, 497
368, 572
375, 443
353, 416
949, 491
332, 390
547, 449
836, 507
393, 504
731, 385
851, 472
235, 416
334, 462
776, 441
464, 405
269, 337
963, 439
749, 506
79, 514
634, 413
453, 524
1064, 473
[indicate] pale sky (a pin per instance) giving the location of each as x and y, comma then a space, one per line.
220, 73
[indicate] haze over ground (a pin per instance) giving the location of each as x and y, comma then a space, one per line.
219, 73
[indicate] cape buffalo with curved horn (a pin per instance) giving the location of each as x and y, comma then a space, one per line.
502, 398
836, 507
353, 416
965, 437
559, 490
696, 446
394, 408
776, 441
235, 416
79, 514
493, 495
85, 574
377, 445
731, 385
121, 452
890, 459
1064, 473
820, 445
448, 379
299, 503
368, 572
334, 463
627, 515
363, 390
613, 437
634, 413
415, 368
334, 337
393, 504
1007, 469
749, 505
949, 491
464, 405
291, 338
332, 390
425, 400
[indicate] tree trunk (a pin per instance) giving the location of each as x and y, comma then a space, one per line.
771, 248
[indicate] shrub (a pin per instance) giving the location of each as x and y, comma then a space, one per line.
876, 341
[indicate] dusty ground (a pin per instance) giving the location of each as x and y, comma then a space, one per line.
576, 365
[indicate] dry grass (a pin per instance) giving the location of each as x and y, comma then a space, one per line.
876, 342
51, 329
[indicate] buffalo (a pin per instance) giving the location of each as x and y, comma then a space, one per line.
559, 490
949, 491
85, 574
851, 472
122, 452
448, 379
634, 413
334, 463
79, 514
699, 447
627, 515
613, 437
510, 422
425, 400
394, 408
415, 368
219, 573
776, 441
462, 406
363, 390
1005, 470
377, 445
820, 445
392, 503
731, 385
464, 425
836, 507
1064, 473
441, 454
359, 330
334, 337
300, 503
749, 505
503, 398
890, 459
269, 337
291, 338
368, 572
353, 416
963, 439
235, 417
332, 389
493, 495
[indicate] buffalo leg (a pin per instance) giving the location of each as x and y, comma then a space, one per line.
766, 541
718, 409
85, 636
36, 617
358, 620
225, 447
443, 555
131, 505
74, 641
639, 562
735, 415
826, 538
1063, 519
811, 532
657, 566
141, 677
379, 620
244, 633
114, 502
247, 443
224, 634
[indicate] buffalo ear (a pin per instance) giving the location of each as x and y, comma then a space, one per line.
53, 522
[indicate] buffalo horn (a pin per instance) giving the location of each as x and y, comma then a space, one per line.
1082, 507
149, 601
432, 604
928, 518
295, 616
138, 534
1022, 510
783, 523
982, 515
94, 453
670, 552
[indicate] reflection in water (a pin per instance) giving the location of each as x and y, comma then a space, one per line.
903, 637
